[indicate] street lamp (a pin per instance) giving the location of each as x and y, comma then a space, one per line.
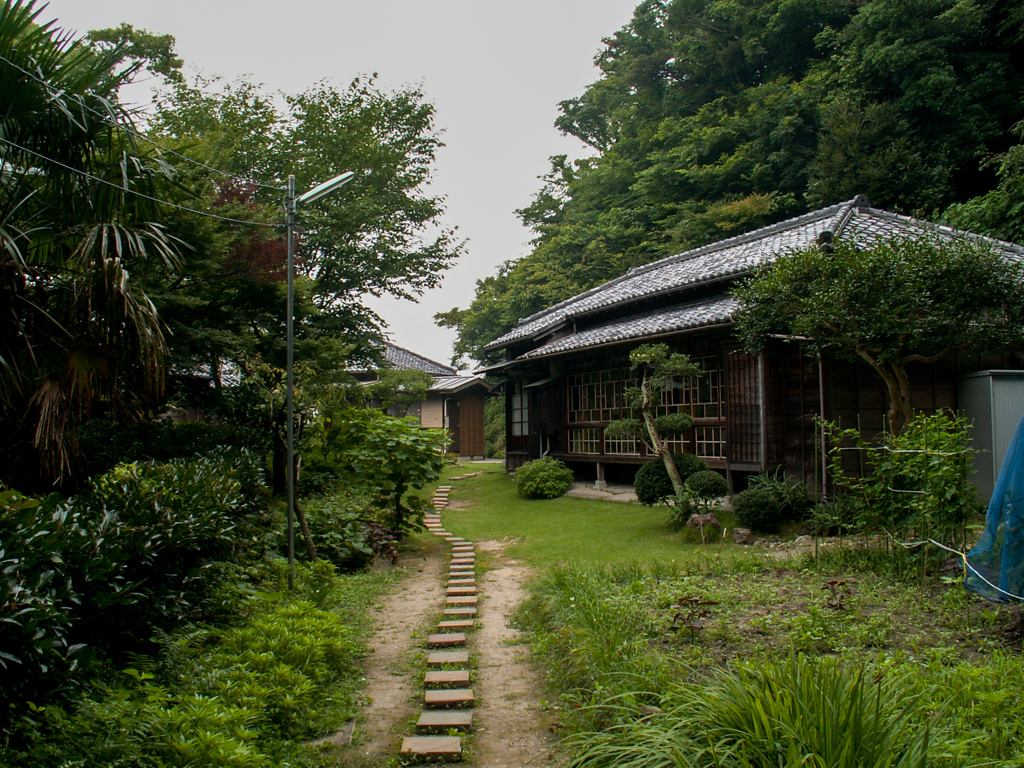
290, 203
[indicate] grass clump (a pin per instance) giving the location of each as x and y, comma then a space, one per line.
795, 712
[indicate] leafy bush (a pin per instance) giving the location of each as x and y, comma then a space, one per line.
545, 478
771, 500
919, 484
343, 534
706, 486
105, 443
755, 508
652, 483
101, 571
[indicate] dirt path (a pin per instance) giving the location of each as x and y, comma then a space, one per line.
513, 730
510, 729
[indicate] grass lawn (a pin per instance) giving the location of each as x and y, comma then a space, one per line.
549, 531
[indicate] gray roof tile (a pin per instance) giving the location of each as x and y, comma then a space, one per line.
854, 220
403, 360
682, 317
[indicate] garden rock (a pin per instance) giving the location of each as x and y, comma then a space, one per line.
703, 521
742, 536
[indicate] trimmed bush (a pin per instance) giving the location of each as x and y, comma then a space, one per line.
707, 485
545, 478
652, 483
756, 509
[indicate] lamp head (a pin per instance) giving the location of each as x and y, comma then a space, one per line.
325, 189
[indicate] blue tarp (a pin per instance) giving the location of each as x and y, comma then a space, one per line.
998, 557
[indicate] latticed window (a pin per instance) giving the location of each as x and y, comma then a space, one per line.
596, 395
520, 411
585, 440
701, 397
710, 442
622, 447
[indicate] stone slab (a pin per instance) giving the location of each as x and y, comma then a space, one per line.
456, 624
449, 697
460, 611
460, 600
464, 590
445, 719
462, 567
463, 560
443, 747
460, 579
440, 658
446, 677
446, 639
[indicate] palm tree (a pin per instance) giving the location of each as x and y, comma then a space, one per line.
76, 217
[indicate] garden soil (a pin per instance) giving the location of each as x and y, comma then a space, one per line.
511, 727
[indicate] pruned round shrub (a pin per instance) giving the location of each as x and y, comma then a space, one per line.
545, 478
707, 485
756, 509
652, 483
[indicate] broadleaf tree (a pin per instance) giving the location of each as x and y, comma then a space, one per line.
899, 302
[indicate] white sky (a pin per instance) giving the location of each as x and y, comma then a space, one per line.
494, 70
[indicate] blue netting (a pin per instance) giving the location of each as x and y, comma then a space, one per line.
998, 558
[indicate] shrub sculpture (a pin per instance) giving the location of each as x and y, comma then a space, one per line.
545, 478
706, 486
652, 483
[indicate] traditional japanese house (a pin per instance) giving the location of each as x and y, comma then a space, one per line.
565, 368
453, 402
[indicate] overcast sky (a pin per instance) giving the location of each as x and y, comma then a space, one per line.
494, 70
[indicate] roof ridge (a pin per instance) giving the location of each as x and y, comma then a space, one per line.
419, 357
692, 253
947, 230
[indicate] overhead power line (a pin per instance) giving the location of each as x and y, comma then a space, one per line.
141, 136
130, 191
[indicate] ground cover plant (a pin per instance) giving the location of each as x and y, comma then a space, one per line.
650, 662
650, 643
550, 531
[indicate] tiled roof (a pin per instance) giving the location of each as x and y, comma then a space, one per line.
854, 220
404, 360
683, 317
456, 383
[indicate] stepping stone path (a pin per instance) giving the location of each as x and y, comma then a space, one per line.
447, 697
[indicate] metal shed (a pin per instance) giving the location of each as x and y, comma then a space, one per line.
994, 402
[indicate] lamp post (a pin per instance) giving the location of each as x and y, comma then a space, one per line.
290, 203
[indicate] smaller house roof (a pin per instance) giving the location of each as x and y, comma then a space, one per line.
453, 384
404, 360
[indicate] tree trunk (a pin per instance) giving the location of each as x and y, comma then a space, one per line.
656, 442
305, 532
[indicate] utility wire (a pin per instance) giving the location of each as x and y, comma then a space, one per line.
130, 191
132, 132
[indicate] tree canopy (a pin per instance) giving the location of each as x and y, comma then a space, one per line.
127, 250
897, 303
714, 117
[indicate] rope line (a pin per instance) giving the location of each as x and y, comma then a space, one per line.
963, 558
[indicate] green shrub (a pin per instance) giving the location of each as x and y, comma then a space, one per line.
545, 478
791, 499
101, 571
706, 486
652, 483
755, 508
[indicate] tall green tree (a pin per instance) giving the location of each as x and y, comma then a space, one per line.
895, 304
76, 227
714, 117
